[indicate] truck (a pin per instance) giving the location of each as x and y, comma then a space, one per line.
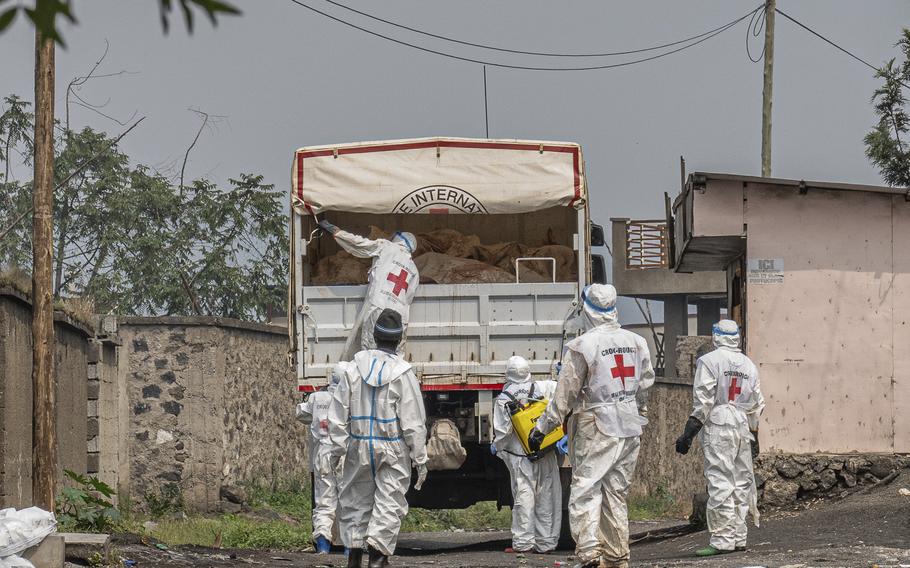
531, 195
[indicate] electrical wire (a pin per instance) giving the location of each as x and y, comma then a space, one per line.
828, 41
836, 46
525, 52
756, 25
524, 67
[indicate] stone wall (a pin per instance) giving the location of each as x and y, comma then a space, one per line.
16, 397
211, 404
783, 479
660, 470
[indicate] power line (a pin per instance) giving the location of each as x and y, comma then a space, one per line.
828, 41
523, 67
756, 26
486, 110
836, 46
524, 52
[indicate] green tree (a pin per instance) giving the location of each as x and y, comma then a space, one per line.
16, 127
136, 242
887, 143
44, 14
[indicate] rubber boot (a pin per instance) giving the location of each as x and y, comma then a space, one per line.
323, 546
355, 558
377, 559
711, 551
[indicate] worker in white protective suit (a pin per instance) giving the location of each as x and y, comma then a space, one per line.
603, 371
377, 423
314, 411
392, 282
727, 402
536, 490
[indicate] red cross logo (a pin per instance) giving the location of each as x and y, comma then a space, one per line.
734, 390
401, 281
620, 372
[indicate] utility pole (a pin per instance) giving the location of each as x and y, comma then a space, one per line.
44, 423
770, 7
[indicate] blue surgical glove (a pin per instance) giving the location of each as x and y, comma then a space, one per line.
493, 449
562, 446
327, 226
558, 368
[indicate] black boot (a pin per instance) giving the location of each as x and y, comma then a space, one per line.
355, 557
377, 559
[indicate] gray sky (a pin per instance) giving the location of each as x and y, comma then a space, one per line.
285, 77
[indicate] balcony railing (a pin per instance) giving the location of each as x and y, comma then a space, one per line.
646, 244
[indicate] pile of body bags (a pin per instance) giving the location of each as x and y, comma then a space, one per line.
446, 256
20, 530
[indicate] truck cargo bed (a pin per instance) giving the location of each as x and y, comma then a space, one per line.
459, 334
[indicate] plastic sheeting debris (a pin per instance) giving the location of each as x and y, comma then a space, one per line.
20, 530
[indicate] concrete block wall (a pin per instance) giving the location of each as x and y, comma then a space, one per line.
103, 430
71, 357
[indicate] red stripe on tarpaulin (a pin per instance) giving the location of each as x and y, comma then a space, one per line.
493, 386
574, 150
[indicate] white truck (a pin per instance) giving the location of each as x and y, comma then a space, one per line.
530, 195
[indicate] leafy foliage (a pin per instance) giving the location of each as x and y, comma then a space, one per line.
161, 503
135, 242
887, 144
44, 14
16, 128
87, 506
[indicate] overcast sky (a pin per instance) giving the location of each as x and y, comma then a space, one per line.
285, 77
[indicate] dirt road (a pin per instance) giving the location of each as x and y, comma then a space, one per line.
861, 530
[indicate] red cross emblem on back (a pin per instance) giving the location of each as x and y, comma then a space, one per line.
734, 390
401, 281
620, 371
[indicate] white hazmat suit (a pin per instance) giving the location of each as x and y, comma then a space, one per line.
728, 401
392, 282
536, 490
603, 371
377, 423
325, 466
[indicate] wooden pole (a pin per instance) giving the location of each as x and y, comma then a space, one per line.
770, 7
44, 433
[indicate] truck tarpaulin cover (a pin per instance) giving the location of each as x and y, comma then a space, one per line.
438, 175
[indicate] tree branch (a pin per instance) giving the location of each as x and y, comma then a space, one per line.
72, 174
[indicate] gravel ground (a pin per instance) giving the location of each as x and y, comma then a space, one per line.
860, 530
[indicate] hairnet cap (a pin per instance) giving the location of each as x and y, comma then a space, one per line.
388, 326
600, 297
517, 369
405, 238
725, 333
337, 373
726, 327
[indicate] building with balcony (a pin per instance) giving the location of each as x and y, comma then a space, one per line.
642, 268
818, 276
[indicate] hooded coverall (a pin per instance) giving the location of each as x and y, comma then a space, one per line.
604, 369
536, 489
377, 423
